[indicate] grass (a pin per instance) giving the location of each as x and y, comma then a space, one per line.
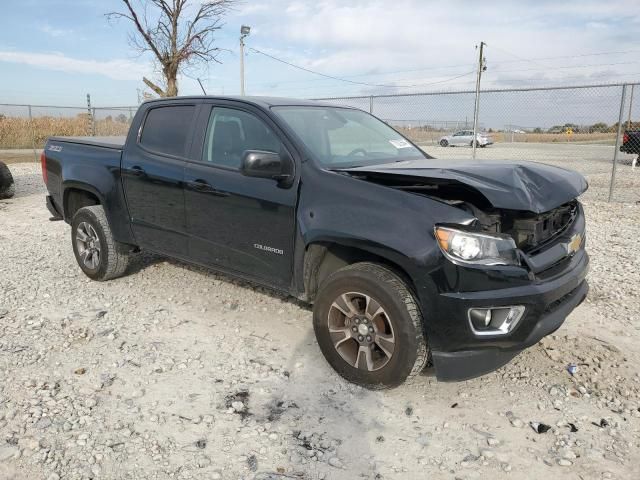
18, 133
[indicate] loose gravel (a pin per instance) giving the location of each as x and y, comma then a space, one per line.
175, 372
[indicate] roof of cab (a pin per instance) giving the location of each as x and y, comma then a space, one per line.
264, 102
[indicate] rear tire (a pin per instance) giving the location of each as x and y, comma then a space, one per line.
444, 143
380, 342
7, 186
99, 256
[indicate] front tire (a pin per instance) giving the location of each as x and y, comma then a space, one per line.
99, 256
369, 327
444, 143
7, 186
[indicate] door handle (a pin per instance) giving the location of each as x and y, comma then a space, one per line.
137, 171
203, 186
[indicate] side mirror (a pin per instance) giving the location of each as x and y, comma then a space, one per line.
256, 163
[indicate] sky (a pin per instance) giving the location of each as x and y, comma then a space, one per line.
54, 52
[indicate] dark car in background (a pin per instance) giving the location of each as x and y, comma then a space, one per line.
631, 144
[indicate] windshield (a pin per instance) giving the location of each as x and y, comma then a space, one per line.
343, 138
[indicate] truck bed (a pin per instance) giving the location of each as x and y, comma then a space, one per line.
116, 143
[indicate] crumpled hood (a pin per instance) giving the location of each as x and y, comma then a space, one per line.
529, 186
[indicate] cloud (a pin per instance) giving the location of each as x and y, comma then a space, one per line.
416, 40
55, 32
116, 69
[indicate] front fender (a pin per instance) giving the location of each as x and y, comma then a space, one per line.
387, 222
391, 224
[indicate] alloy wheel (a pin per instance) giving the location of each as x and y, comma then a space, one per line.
361, 331
88, 245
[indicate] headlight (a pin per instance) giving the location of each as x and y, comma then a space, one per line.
477, 248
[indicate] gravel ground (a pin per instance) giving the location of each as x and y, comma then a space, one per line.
174, 372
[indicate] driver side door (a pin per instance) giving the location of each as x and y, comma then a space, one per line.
244, 225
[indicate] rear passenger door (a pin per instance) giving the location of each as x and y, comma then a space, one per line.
153, 174
242, 224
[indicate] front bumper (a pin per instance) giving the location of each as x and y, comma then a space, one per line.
548, 289
466, 364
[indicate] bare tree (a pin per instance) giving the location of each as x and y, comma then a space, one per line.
176, 33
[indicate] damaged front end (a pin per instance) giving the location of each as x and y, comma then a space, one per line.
532, 204
513, 268
530, 231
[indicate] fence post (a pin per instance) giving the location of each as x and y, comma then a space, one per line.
371, 104
617, 147
88, 114
93, 122
630, 106
33, 136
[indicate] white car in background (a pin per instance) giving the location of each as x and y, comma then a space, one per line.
465, 137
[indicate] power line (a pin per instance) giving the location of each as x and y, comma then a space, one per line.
371, 74
580, 55
520, 60
568, 67
342, 79
518, 57
546, 67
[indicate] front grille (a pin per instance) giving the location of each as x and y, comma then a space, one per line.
532, 234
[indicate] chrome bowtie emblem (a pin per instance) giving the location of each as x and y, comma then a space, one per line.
574, 245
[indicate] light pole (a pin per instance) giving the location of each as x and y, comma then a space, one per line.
244, 31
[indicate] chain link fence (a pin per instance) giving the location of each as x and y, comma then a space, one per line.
571, 127
24, 129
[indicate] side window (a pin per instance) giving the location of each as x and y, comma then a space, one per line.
232, 132
166, 129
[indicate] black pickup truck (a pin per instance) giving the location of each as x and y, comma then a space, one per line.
407, 260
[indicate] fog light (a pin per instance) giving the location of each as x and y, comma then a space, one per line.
495, 320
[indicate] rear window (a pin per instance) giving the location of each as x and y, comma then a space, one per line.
166, 129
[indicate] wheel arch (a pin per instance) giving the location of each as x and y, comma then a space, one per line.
323, 257
77, 195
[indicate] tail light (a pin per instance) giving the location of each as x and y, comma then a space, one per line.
43, 162
625, 138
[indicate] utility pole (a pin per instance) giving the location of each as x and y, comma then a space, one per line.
482, 66
244, 31
203, 90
